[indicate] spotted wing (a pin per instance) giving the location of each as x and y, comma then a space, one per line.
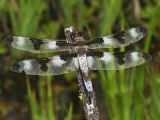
120, 39
45, 66
113, 61
36, 45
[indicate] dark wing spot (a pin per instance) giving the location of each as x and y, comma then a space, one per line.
147, 56
15, 67
120, 37
8, 40
120, 57
96, 40
43, 62
143, 30
37, 43
66, 56
95, 53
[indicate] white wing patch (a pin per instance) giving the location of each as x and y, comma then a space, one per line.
57, 61
20, 41
27, 65
133, 32
108, 57
90, 61
51, 45
135, 56
75, 62
108, 40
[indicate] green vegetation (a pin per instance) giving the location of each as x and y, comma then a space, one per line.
127, 94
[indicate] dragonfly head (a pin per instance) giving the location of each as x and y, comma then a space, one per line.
71, 33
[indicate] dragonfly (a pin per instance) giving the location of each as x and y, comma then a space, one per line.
75, 53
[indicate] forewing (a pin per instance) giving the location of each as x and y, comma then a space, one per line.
120, 39
35, 45
113, 61
45, 66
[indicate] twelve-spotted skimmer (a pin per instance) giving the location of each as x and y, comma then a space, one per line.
78, 54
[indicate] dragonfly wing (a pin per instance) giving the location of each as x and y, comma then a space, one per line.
35, 45
120, 39
45, 66
112, 61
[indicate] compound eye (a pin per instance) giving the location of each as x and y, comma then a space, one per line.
67, 32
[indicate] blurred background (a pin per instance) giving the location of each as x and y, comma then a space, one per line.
131, 94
